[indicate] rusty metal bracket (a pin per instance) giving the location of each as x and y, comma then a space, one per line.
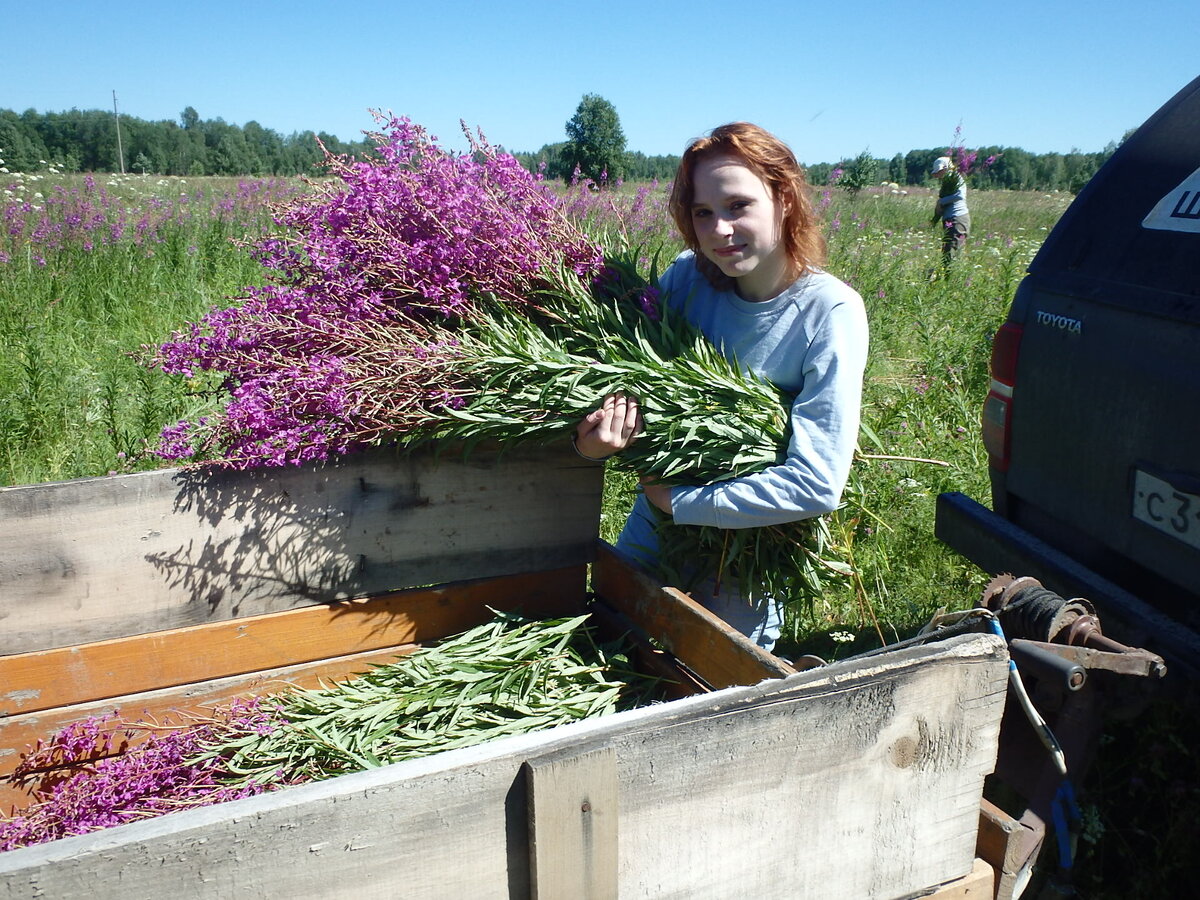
1078, 678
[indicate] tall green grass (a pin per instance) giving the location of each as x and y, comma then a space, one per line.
76, 306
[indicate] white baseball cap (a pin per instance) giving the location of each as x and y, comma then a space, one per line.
941, 164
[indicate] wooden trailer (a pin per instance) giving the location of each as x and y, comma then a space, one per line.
172, 591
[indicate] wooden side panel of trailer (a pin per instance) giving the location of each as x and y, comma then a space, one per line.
102, 558
861, 779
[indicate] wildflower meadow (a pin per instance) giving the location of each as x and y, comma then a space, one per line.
91, 268
99, 273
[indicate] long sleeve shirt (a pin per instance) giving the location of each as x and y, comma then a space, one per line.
952, 196
811, 341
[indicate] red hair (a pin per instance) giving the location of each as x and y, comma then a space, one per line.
771, 160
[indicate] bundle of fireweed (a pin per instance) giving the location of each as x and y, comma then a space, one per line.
534, 375
505, 677
425, 295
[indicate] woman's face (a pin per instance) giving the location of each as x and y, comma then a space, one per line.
739, 226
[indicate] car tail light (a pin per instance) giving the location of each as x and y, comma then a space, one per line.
997, 408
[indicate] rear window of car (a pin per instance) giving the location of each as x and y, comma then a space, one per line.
1132, 236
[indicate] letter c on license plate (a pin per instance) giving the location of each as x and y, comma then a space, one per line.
1161, 506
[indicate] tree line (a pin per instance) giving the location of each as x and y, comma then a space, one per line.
87, 141
1012, 168
595, 149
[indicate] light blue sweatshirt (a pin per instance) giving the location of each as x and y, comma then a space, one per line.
952, 196
811, 341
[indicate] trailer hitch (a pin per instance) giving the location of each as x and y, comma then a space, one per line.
1077, 678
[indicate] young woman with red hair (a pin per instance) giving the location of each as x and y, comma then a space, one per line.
751, 281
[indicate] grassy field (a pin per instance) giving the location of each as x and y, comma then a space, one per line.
92, 269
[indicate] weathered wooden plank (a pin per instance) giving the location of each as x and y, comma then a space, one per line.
861, 779
1011, 846
978, 885
63, 676
719, 654
109, 557
573, 817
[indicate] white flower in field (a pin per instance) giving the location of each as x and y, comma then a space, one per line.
4, 169
37, 195
42, 161
841, 637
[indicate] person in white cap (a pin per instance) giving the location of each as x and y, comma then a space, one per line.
951, 209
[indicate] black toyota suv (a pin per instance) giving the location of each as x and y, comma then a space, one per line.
1092, 423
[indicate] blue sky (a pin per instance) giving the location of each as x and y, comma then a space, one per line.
830, 79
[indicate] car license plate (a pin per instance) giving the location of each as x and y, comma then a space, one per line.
1161, 506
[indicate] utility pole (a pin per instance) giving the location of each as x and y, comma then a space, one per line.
120, 152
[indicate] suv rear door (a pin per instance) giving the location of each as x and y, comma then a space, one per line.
1103, 430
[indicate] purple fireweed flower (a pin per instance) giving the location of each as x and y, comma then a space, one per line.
348, 343
101, 772
85, 218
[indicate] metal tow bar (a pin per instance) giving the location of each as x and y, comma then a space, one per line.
1075, 679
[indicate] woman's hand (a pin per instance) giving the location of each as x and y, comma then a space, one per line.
609, 429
